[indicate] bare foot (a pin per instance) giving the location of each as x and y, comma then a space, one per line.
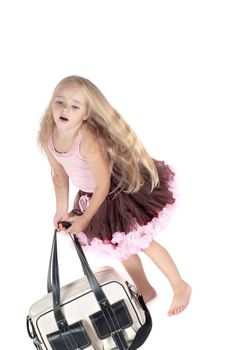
149, 295
181, 298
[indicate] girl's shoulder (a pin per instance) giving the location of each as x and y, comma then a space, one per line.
90, 143
87, 141
86, 136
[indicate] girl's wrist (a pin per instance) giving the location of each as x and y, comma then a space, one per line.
61, 210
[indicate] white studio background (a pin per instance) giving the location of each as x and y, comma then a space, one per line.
166, 66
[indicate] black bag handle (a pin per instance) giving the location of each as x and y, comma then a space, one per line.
53, 285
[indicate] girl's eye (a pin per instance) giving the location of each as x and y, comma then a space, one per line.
59, 102
75, 107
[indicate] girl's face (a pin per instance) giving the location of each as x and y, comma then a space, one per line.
69, 106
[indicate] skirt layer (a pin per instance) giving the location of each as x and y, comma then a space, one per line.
126, 223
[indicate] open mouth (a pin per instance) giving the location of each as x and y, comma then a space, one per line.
64, 119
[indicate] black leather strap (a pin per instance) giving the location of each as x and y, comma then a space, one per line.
54, 285
97, 290
145, 329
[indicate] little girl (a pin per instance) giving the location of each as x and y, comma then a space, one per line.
123, 192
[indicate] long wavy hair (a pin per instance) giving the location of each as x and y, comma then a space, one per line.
125, 149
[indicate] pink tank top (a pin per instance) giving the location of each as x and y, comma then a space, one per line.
75, 165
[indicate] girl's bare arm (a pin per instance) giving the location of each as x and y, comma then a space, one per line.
98, 162
60, 183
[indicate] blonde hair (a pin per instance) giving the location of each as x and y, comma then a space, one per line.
124, 147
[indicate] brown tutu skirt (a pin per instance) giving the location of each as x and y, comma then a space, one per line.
121, 214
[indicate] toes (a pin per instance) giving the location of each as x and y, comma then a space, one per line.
175, 310
178, 310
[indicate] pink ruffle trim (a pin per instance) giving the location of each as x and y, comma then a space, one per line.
123, 245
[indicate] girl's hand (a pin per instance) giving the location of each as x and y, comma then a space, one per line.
60, 216
78, 224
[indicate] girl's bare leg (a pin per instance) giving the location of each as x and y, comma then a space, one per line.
181, 290
134, 267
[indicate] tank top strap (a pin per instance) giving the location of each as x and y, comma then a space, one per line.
74, 149
50, 143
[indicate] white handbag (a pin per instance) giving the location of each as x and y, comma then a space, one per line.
99, 311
